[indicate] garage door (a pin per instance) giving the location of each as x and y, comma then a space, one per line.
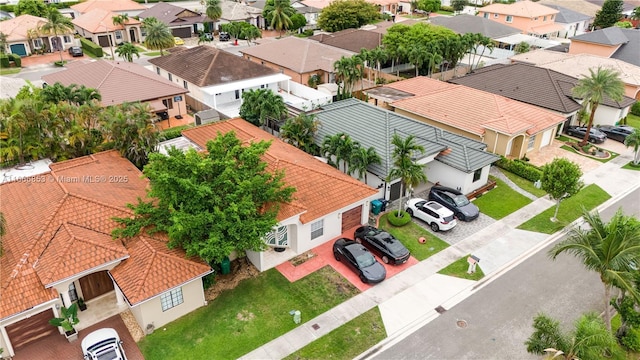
31, 329
18, 49
184, 33
546, 138
103, 41
351, 218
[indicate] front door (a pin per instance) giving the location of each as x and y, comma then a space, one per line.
132, 35
96, 284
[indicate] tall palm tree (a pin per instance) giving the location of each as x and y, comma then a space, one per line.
345, 148
361, 159
280, 16
405, 168
593, 89
56, 24
214, 12
132, 131
633, 139
159, 36
82, 94
300, 131
378, 56
610, 249
329, 148
127, 51
418, 56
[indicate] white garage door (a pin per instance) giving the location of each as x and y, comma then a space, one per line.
546, 138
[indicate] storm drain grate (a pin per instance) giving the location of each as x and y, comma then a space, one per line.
440, 309
315, 326
461, 324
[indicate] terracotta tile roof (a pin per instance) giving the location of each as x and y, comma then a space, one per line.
351, 39
153, 269
320, 188
474, 110
206, 66
111, 5
528, 9
59, 225
100, 21
117, 81
299, 55
17, 28
173, 15
416, 86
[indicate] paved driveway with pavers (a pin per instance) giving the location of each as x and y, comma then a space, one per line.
461, 231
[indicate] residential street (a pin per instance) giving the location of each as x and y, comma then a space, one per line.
499, 316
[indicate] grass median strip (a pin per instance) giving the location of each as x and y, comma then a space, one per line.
409, 235
247, 317
501, 200
459, 269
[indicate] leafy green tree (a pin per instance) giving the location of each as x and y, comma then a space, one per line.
298, 21
610, 249
159, 36
626, 307
213, 11
429, 5
127, 50
262, 107
593, 89
211, 204
405, 168
589, 340
347, 14
300, 131
119, 21
609, 14
458, 5
633, 139
3, 43
250, 33
345, 149
57, 24
203, 38
361, 158
561, 179
522, 47
32, 7
635, 15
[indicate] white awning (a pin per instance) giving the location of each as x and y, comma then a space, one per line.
531, 40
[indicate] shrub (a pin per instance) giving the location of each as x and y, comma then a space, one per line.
635, 109
394, 220
91, 48
446, 8
631, 340
17, 60
172, 133
520, 168
60, 63
4, 61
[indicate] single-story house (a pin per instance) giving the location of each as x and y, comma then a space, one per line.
508, 127
97, 25
216, 79
545, 88
578, 65
120, 7
325, 204
451, 159
58, 248
23, 37
183, 22
612, 42
119, 82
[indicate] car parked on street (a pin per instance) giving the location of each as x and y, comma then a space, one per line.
383, 244
103, 344
360, 260
76, 51
437, 216
223, 36
595, 135
617, 133
455, 201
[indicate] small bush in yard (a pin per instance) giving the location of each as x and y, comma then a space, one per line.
631, 341
520, 168
396, 220
635, 109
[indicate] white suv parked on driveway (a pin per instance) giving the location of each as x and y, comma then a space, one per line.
103, 344
438, 217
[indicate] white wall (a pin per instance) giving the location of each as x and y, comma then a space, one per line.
453, 178
606, 115
308, 98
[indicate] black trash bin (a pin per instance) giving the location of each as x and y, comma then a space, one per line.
383, 207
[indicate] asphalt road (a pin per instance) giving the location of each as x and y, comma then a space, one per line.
499, 316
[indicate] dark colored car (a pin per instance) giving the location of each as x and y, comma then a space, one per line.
455, 201
617, 133
75, 51
383, 244
595, 135
360, 260
208, 36
224, 36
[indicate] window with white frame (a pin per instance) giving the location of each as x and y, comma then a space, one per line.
184, 83
477, 174
170, 77
73, 293
509, 18
37, 43
279, 237
317, 229
486, 15
171, 299
67, 39
532, 141
119, 35
495, 16
158, 70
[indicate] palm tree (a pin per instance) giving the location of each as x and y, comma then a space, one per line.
602, 83
633, 139
280, 15
378, 56
405, 168
159, 36
329, 148
345, 148
250, 33
362, 158
127, 50
300, 131
56, 24
118, 20
610, 249
132, 131
214, 12
82, 94
418, 56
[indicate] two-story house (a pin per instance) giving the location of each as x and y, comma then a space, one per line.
531, 18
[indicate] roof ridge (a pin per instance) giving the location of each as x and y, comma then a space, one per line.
354, 181
98, 202
89, 241
210, 68
147, 241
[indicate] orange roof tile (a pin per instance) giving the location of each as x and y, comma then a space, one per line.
100, 21
528, 9
111, 5
475, 110
320, 188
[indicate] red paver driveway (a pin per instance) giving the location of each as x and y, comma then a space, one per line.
56, 346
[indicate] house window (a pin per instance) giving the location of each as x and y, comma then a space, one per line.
535, 18
552, 17
278, 237
476, 175
495, 16
237, 94
509, 18
158, 70
168, 103
170, 77
544, 18
532, 141
262, 86
73, 293
171, 299
119, 35
262, 62
37, 43
143, 31
486, 15
317, 229
67, 39
184, 83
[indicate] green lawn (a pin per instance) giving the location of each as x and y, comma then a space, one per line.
152, 53
347, 341
630, 166
459, 269
633, 120
569, 148
570, 209
524, 184
409, 235
9, 71
241, 320
501, 200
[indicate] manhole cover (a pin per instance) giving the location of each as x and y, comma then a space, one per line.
461, 324
315, 326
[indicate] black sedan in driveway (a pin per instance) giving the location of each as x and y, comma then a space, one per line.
360, 260
383, 244
455, 201
595, 135
75, 51
617, 133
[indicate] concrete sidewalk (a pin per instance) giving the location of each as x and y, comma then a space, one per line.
411, 296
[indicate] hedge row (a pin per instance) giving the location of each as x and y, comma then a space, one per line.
92, 48
4, 61
521, 168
